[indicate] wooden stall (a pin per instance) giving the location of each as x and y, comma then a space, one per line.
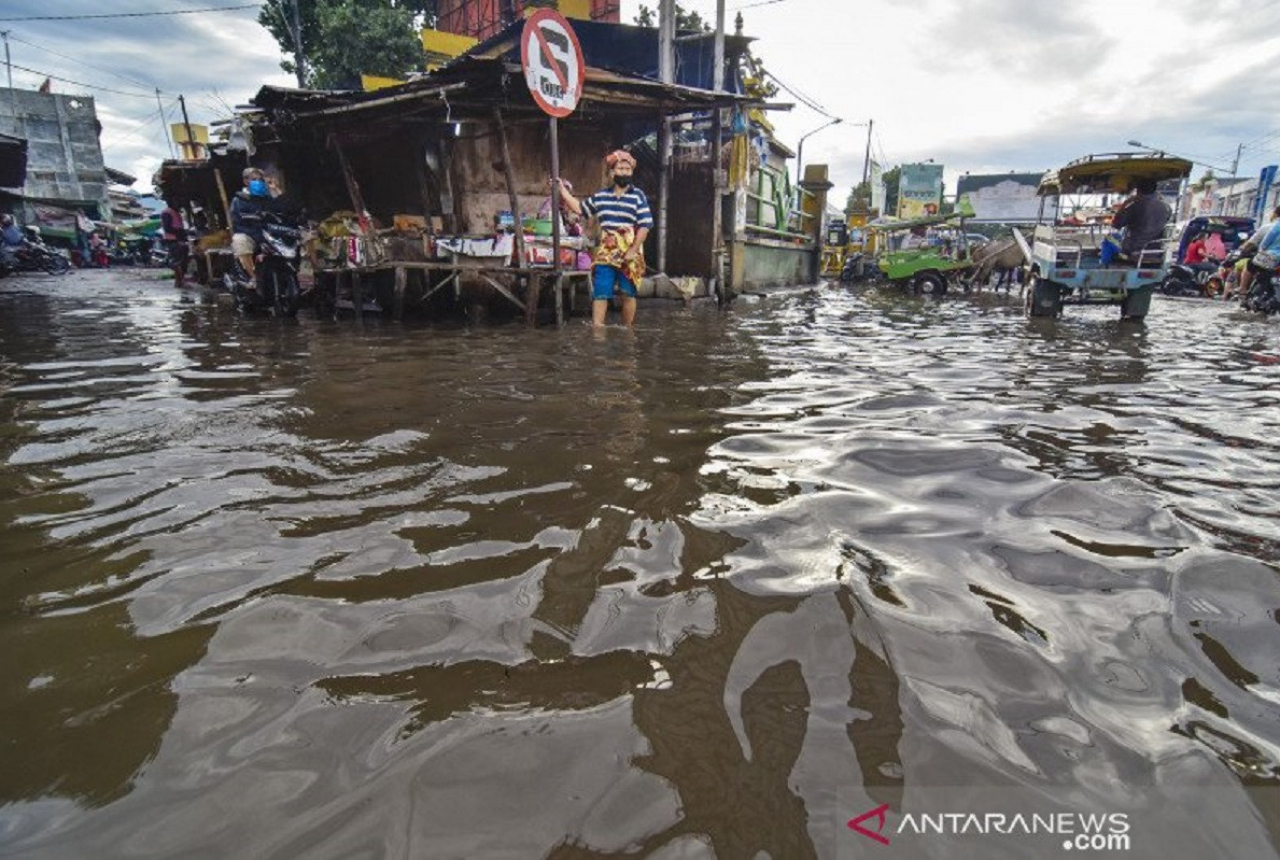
410, 182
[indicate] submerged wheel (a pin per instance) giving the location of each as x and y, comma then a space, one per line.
1044, 299
929, 284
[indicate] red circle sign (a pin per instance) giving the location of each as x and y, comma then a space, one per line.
552, 61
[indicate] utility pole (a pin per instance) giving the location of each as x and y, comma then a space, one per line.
13, 95
866, 159
299, 62
7, 64
164, 123
717, 141
1235, 165
186, 122
667, 75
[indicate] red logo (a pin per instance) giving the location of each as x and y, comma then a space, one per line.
879, 815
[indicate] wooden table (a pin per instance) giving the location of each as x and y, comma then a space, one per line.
560, 281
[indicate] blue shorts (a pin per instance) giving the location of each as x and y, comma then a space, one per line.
603, 280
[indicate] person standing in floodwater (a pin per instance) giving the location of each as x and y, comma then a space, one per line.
625, 221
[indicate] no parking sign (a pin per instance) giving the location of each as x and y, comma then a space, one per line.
552, 61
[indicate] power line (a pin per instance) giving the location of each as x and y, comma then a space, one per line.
805, 100
80, 61
81, 83
754, 5
133, 14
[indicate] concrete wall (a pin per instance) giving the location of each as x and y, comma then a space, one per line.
64, 156
772, 263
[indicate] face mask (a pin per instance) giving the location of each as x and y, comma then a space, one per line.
258, 188
622, 181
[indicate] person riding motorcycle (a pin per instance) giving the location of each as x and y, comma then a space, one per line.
1264, 239
247, 208
11, 239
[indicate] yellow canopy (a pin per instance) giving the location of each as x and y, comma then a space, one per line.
1112, 173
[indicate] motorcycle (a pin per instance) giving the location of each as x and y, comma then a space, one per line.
1264, 293
1186, 279
277, 257
33, 256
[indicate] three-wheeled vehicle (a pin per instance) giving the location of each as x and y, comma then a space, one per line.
1203, 279
1067, 265
926, 270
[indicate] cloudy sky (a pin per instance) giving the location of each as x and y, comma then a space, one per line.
977, 85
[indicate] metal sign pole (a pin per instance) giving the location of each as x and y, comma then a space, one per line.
555, 186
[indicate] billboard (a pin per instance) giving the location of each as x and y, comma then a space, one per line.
877, 187
919, 190
1004, 198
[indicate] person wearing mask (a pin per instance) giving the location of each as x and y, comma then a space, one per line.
174, 233
1143, 218
625, 220
247, 208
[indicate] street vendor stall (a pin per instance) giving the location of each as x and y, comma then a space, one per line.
439, 187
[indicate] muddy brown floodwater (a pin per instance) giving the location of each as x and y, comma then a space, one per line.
713, 588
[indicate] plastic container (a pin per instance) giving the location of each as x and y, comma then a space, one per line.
538, 226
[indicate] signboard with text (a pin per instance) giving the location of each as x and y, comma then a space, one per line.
552, 61
919, 190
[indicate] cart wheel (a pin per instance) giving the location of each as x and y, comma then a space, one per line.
929, 285
1043, 298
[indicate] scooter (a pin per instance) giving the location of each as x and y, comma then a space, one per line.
33, 256
1183, 279
1264, 293
277, 257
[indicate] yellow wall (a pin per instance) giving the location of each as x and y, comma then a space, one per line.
448, 44
576, 9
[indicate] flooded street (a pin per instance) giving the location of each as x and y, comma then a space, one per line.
711, 588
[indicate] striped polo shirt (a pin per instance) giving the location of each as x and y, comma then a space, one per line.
630, 209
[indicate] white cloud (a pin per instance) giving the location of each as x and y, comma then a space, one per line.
975, 84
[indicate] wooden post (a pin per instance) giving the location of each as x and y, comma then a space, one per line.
222, 193
512, 197
535, 283
559, 300
402, 276
357, 295
420, 171
353, 187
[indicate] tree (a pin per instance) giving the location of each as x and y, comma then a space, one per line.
890, 179
342, 39
685, 21
859, 198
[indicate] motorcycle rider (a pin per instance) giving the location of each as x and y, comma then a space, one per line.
11, 239
1255, 243
247, 208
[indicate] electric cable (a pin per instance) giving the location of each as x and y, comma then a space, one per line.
82, 83
14, 38
132, 14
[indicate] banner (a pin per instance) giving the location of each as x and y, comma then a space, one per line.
877, 188
1265, 180
1003, 198
919, 190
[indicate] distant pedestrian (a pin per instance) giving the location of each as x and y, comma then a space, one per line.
174, 233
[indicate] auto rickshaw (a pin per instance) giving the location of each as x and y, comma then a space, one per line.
927, 270
1068, 266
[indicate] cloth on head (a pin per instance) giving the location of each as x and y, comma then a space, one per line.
619, 156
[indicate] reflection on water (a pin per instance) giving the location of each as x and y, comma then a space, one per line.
709, 588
